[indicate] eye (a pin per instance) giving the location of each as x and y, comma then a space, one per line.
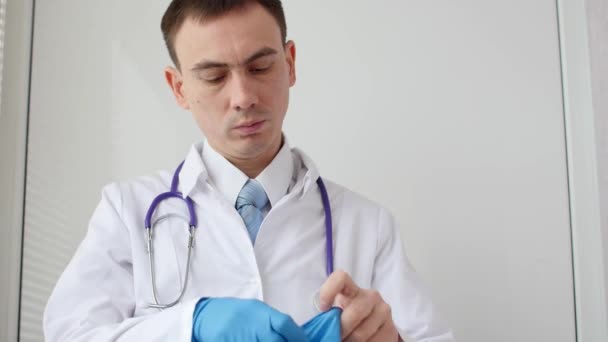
260, 69
215, 80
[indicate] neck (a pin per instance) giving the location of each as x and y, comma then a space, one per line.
254, 166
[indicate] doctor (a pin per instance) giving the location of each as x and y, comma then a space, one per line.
258, 265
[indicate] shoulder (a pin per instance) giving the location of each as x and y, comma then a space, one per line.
137, 189
342, 197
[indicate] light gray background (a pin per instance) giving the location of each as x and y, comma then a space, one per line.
449, 113
598, 46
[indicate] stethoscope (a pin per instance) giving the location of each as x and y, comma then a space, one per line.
192, 223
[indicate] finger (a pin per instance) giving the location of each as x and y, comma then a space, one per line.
380, 314
338, 282
386, 332
358, 310
284, 326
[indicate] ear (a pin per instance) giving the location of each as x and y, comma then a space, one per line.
175, 81
290, 55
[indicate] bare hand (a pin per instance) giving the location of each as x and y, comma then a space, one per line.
365, 316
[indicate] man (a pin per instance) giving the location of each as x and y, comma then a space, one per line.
258, 266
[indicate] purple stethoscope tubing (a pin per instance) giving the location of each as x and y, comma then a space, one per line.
329, 251
173, 193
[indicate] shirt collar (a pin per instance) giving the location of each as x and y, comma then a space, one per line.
277, 176
229, 180
276, 179
224, 176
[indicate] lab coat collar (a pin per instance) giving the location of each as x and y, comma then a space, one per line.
307, 172
193, 171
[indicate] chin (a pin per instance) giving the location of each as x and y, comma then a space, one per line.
253, 146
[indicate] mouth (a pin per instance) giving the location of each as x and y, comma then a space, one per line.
249, 128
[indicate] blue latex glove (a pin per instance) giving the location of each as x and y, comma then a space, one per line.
233, 319
324, 327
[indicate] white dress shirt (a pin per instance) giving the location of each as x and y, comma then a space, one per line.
276, 178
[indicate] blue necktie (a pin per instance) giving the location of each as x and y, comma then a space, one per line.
251, 201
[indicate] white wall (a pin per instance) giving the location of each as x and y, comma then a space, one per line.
448, 112
597, 14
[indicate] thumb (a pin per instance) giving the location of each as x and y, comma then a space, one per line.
284, 326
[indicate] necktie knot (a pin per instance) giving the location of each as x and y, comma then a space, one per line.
252, 193
250, 202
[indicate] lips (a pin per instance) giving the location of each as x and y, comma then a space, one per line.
249, 124
250, 128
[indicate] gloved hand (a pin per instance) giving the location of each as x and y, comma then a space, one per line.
233, 319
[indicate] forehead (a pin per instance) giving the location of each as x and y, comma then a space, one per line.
227, 38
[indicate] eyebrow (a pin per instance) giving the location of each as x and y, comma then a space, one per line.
263, 52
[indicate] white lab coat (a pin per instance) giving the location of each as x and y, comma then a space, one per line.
104, 291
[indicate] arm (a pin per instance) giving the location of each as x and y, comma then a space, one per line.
94, 298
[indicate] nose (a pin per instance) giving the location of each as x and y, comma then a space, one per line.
244, 95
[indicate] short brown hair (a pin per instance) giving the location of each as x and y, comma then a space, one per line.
180, 10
